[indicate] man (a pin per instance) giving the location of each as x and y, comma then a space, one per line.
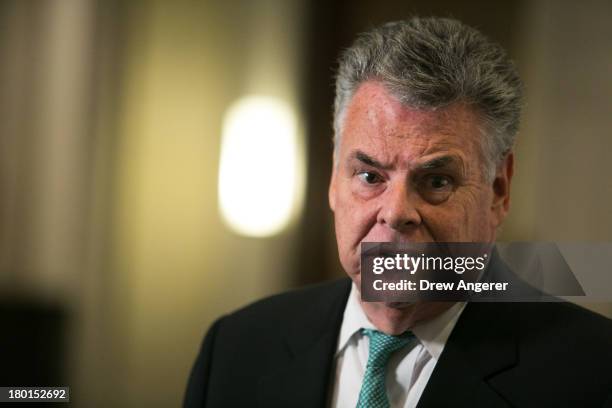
426, 114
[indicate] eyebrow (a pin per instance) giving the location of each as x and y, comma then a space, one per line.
370, 161
450, 161
439, 162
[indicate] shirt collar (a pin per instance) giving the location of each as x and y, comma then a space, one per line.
432, 333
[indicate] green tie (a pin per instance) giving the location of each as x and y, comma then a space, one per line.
373, 392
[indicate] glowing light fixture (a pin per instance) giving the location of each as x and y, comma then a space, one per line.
260, 175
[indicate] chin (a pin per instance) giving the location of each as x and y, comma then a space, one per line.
397, 312
399, 305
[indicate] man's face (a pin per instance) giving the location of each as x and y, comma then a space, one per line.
409, 175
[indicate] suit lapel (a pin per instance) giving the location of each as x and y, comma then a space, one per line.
305, 381
479, 348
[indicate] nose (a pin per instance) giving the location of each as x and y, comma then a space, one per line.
398, 208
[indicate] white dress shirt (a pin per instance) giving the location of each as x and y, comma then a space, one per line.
408, 369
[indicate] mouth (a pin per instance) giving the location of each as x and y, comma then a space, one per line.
392, 248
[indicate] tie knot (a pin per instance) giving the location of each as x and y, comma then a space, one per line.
383, 345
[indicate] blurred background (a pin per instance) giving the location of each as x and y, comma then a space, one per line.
129, 220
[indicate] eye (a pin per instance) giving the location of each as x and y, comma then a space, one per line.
369, 177
438, 182
436, 188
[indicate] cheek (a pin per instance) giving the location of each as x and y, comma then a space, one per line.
442, 224
353, 220
464, 218
352, 224
354, 217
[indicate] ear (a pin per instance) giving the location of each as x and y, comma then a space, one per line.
331, 193
501, 189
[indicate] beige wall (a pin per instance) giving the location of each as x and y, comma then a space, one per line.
109, 169
562, 189
178, 266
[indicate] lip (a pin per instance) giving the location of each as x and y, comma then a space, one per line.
392, 248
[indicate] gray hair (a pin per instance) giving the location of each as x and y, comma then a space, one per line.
430, 63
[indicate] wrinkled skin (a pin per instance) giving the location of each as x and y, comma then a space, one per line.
410, 175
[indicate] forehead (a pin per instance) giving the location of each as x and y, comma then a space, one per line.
377, 121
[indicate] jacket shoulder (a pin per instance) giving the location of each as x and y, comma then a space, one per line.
564, 317
247, 345
560, 348
280, 310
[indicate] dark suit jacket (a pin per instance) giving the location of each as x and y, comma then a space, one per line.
279, 352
